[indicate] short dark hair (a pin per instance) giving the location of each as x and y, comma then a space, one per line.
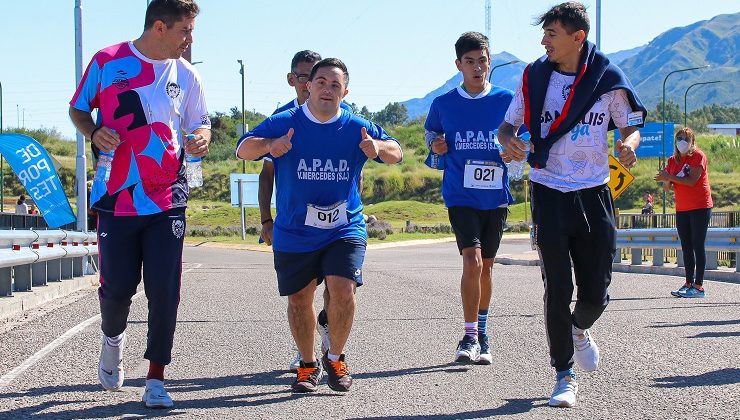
330, 62
471, 41
305, 56
572, 15
169, 12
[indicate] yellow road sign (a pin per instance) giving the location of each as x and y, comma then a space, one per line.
619, 177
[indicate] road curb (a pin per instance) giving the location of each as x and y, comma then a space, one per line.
39, 295
724, 275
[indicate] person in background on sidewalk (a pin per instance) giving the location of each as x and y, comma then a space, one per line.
687, 175
21, 207
475, 187
648, 207
570, 99
319, 229
147, 97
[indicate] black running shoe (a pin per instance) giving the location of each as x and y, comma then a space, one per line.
338, 375
309, 375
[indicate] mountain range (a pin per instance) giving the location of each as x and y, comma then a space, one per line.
712, 42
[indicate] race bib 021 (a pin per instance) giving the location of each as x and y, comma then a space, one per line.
483, 175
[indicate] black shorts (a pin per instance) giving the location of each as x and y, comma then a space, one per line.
342, 258
478, 228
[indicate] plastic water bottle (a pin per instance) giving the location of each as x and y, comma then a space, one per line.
105, 164
516, 167
433, 160
193, 170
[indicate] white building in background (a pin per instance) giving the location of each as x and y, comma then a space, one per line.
725, 129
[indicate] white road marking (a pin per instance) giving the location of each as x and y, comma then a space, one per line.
6, 379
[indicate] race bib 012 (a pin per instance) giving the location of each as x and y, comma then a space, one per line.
327, 217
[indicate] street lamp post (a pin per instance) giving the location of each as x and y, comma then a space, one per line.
244, 116
685, 95
662, 111
500, 65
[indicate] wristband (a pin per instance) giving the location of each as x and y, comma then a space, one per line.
93, 132
267, 220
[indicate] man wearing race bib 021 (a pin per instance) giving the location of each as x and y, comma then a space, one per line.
461, 126
318, 150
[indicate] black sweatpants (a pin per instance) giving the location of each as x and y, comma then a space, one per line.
125, 244
577, 226
692, 230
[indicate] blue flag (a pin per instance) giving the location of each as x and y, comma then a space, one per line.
35, 170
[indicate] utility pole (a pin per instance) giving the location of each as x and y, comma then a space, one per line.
598, 24
81, 173
488, 20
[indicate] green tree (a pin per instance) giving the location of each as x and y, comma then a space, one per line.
393, 114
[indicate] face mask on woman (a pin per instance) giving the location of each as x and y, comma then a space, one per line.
682, 145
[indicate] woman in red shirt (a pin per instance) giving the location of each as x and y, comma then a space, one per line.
686, 173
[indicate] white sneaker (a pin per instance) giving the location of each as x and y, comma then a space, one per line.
324, 334
110, 364
586, 352
155, 396
296, 363
564, 393
468, 350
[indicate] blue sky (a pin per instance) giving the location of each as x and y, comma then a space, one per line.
395, 49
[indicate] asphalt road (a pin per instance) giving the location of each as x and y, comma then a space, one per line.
662, 357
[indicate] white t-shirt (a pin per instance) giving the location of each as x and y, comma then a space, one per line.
579, 159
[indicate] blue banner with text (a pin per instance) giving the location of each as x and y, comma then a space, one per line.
35, 170
651, 140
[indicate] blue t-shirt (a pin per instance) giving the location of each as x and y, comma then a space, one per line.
294, 104
318, 201
475, 174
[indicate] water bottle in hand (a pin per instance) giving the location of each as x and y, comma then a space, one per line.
516, 167
193, 170
105, 164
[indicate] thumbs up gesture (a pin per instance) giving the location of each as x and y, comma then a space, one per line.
627, 155
369, 146
281, 145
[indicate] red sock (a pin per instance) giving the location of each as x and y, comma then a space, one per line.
156, 371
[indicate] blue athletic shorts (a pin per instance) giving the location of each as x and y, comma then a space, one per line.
341, 258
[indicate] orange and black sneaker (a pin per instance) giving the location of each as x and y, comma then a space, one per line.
339, 378
309, 375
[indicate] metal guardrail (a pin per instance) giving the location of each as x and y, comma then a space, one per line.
31, 258
718, 219
661, 239
27, 221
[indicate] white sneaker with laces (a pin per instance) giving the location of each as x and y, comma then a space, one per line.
586, 352
296, 363
110, 364
324, 334
155, 396
564, 393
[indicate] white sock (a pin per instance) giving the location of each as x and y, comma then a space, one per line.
332, 357
577, 331
114, 341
